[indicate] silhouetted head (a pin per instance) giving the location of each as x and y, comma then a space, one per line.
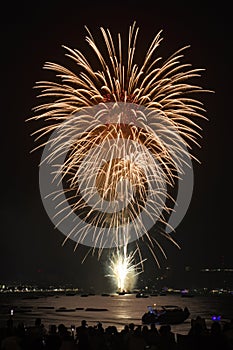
84, 323
145, 329
131, 326
53, 328
215, 328
99, 325
153, 328
62, 329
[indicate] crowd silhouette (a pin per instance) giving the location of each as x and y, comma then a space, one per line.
133, 337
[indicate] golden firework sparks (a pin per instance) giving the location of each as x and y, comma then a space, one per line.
123, 155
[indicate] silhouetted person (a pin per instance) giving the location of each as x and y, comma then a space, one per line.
82, 336
67, 341
166, 339
197, 334
131, 327
198, 327
53, 340
138, 330
145, 334
153, 335
228, 334
97, 338
216, 339
62, 330
12, 341
125, 337
136, 339
100, 329
36, 335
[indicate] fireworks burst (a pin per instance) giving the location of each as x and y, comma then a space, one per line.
123, 270
120, 136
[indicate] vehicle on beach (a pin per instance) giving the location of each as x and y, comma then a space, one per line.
167, 314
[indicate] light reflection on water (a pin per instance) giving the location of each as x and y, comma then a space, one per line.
122, 309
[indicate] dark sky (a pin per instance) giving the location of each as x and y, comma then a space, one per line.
30, 249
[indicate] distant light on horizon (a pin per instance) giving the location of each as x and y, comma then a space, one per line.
217, 270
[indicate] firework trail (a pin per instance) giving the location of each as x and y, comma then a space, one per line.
120, 136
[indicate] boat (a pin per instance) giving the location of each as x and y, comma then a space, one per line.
167, 314
141, 295
70, 294
186, 294
95, 309
162, 294
64, 309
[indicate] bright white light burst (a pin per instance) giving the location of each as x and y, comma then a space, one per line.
123, 270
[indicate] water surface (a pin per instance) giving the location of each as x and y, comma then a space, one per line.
121, 309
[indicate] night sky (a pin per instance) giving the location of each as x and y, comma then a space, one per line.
30, 248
